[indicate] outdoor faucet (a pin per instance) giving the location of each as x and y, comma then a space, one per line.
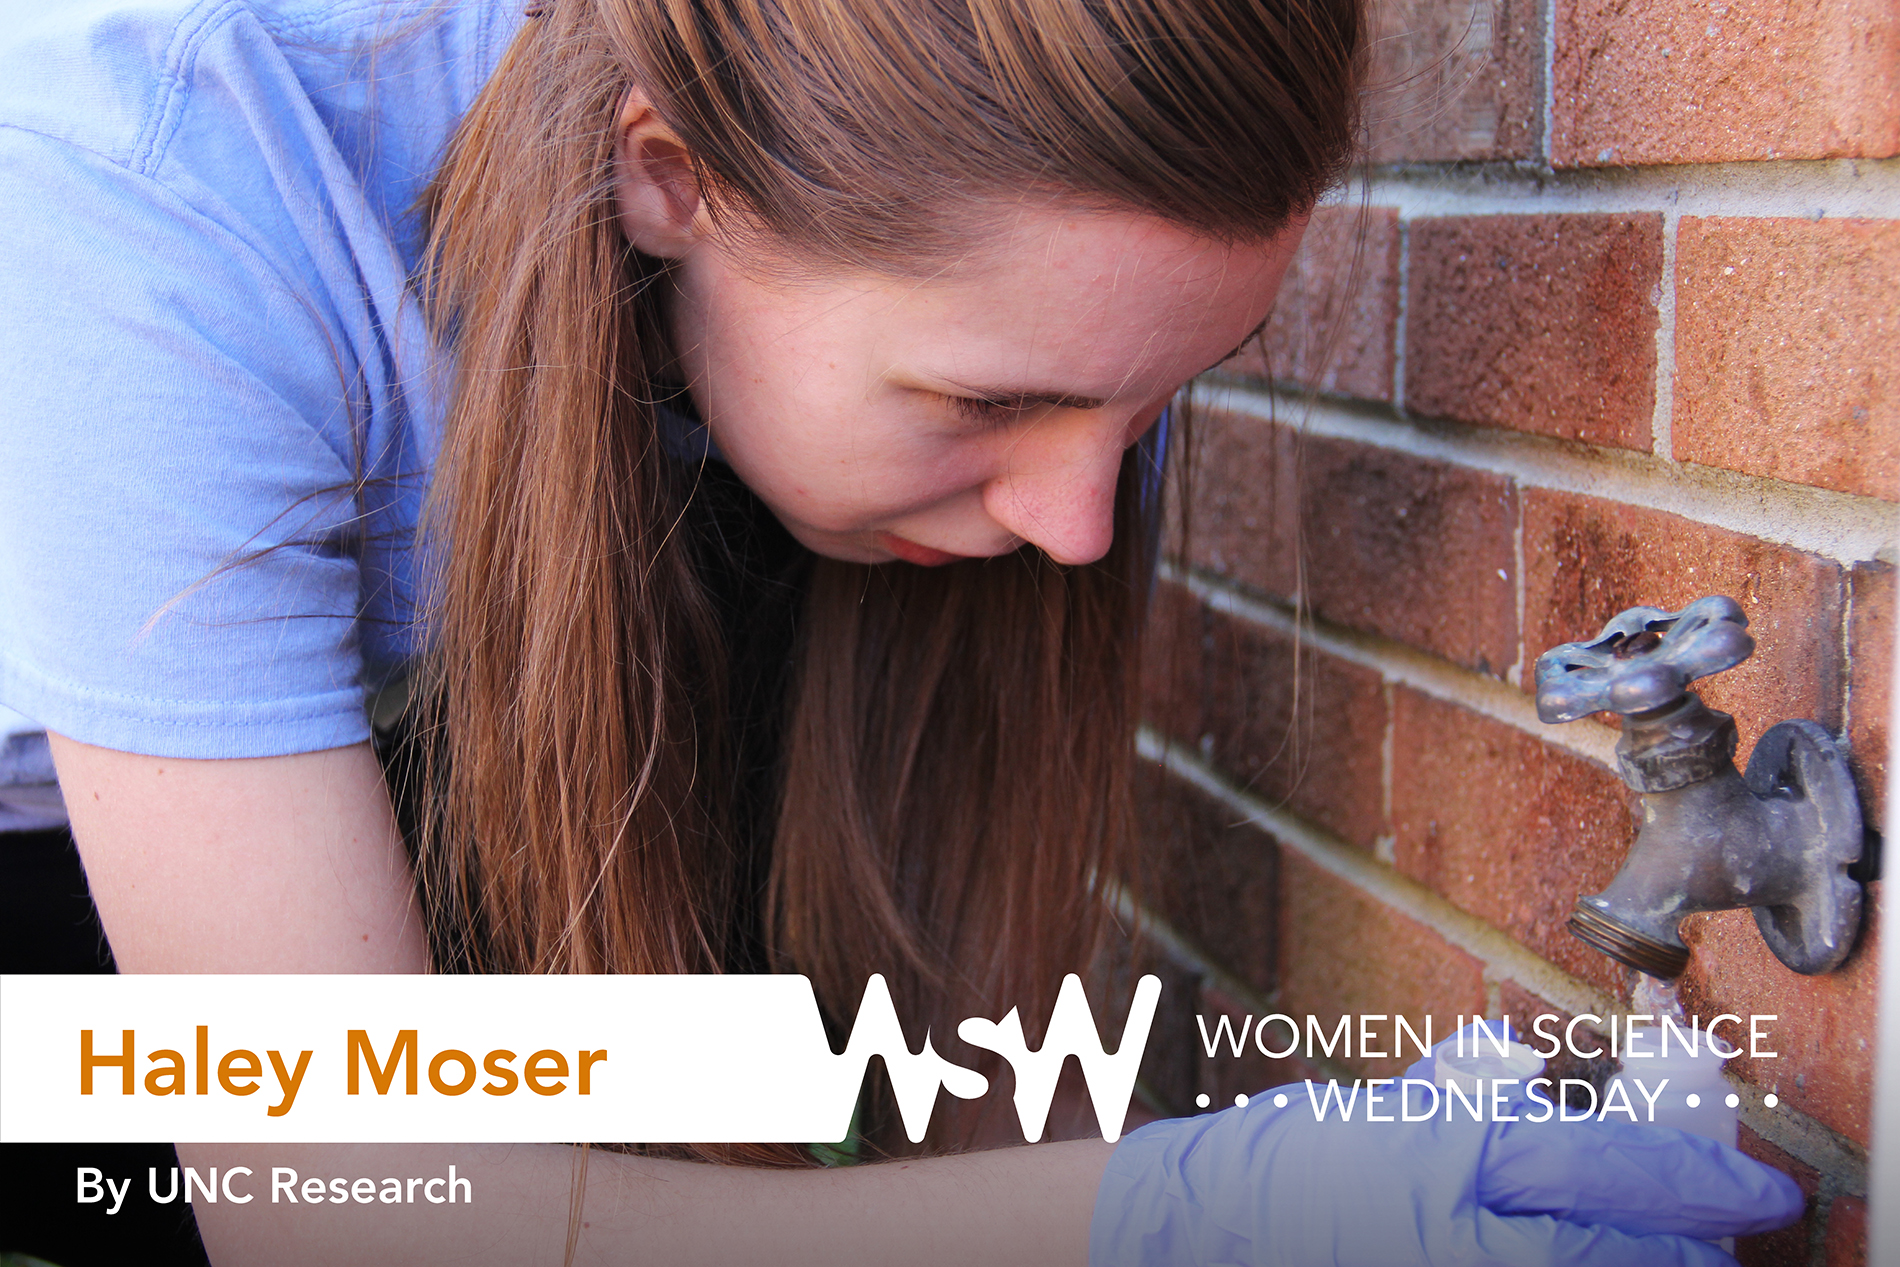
1780, 838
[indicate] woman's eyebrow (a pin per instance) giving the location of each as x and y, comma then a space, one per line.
1242, 345
1016, 398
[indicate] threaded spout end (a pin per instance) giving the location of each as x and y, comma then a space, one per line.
1626, 945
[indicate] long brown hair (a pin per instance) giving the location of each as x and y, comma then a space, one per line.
954, 744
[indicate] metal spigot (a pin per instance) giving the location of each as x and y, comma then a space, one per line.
1779, 839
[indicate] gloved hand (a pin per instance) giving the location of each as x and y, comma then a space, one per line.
1273, 1187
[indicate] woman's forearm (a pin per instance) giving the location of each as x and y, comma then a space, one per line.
272, 864
1025, 1205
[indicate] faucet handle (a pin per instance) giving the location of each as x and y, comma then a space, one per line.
1644, 659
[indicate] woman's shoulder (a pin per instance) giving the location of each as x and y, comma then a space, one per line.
204, 202
147, 83
257, 159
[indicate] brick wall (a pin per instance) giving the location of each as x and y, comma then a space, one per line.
1610, 319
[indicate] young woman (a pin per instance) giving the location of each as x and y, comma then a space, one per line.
778, 373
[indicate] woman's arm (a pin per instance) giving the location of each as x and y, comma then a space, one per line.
272, 864
1026, 1205
294, 864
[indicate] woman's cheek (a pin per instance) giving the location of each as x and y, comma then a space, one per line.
850, 472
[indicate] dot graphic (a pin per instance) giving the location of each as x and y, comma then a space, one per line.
1201, 1101
1694, 1100
1279, 1101
1771, 1099
1734, 1101
1240, 1101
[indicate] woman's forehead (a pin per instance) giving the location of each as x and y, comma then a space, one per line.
1085, 301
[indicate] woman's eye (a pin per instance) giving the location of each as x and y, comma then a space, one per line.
989, 413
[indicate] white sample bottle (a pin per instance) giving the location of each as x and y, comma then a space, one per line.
1697, 1099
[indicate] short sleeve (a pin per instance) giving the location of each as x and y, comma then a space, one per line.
178, 568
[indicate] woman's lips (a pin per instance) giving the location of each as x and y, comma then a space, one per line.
911, 552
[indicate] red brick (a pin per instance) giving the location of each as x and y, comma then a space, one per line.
1788, 350
1218, 882
1335, 326
1455, 79
1846, 1243
1506, 826
1343, 952
1174, 677
1297, 727
1870, 685
1824, 1036
1292, 725
1791, 1246
1243, 501
1416, 550
1543, 323
1588, 559
1667, 81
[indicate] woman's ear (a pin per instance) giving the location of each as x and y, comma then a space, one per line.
654, 183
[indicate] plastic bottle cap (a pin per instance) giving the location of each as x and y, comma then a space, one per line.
1485, 1064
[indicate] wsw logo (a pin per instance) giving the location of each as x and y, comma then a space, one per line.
915, 1076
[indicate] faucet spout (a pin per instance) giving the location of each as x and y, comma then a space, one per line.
1778, 839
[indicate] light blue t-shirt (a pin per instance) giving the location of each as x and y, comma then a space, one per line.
208, 346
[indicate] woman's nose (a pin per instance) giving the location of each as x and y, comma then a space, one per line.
1057, 491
